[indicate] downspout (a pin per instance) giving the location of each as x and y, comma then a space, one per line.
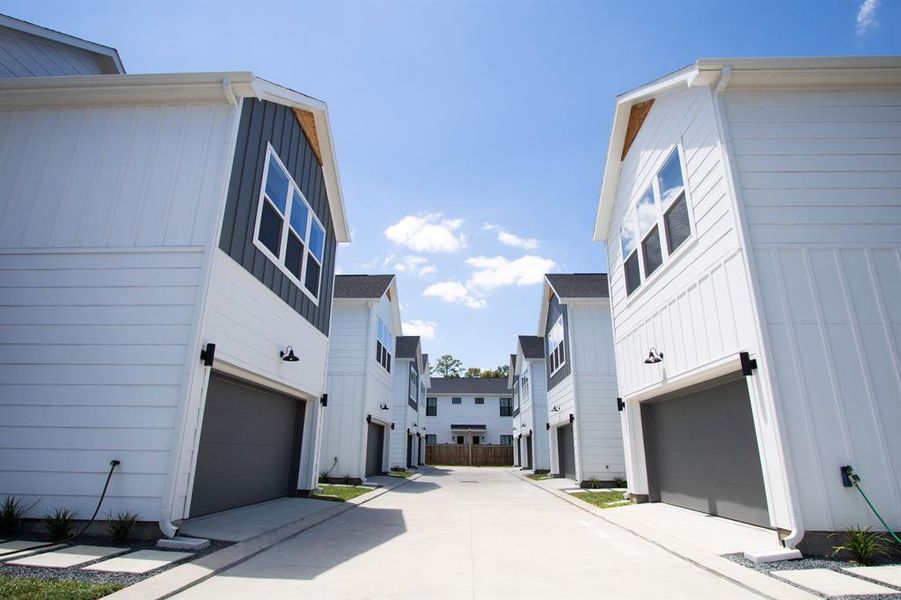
796, 534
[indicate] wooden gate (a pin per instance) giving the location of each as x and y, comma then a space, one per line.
479, 455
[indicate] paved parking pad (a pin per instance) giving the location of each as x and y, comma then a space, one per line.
142, 561
832, 583
68, 557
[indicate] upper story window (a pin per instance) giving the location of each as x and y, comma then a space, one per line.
525, 388
663, 207
480, 401
506, 407
287, 230
555, 346
456, 400
431, 407
384, 346
413, 384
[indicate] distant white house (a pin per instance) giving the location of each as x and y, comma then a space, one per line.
528, 381
585, 431
468, 410
411, 380
752, 214
357, 427
167, 245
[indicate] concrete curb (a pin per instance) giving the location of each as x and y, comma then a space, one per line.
755, 582
177, 579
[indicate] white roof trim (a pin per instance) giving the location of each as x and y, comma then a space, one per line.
111, 54
25, 92
799, 72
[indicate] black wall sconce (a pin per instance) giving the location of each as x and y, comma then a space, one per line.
383, 406
530, 432
620, 405
392, 426
207, 353
324, 400
288, 354
369, 418
654, 357
748, 364
547, 426
572, 418
555, 409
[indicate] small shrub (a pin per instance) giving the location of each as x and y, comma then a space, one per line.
12, 510
592, 484
619, 482
120, 526
862, 544
59, 524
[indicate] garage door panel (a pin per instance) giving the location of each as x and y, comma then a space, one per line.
235, 428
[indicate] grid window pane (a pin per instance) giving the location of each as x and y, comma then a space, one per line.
312, 279
628, 237
299, 215
271, 228
647, 212
317, 240
652, 251
277, 185
678, 228
633, 275
670, 179
456, 400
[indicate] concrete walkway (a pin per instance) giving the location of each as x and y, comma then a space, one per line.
466, 533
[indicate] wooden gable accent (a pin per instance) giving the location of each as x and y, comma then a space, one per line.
308, 125
637, 115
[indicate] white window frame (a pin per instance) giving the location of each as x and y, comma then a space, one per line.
559, 322
632, 212
286, 227
525, 383
389, 350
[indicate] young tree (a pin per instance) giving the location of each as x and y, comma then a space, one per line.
473, 372
499, 373
448, 366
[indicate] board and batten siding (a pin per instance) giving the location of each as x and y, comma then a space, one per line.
820, 180
262, 123
536, 420
99, 295
554, 310
25, 55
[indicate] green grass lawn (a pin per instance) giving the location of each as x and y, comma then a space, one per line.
403, 474
601, 499
27, 588
339, 493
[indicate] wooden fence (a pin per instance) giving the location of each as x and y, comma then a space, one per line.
480, 455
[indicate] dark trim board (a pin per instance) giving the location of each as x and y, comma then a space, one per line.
263, 123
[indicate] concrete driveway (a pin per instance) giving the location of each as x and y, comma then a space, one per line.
466, 533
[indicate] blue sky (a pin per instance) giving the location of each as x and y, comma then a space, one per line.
470, 137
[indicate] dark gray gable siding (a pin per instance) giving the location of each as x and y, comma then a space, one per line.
554, 310
263, 122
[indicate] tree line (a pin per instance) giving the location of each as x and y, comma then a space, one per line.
448, 366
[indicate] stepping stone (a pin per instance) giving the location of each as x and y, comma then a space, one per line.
68, 557
141, 561
890, 574
18, 545
31, 548
831, 583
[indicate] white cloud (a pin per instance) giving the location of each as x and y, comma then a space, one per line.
490, 273
413, 264
424, 329
511, 239
427, 233
866, 16
453, 292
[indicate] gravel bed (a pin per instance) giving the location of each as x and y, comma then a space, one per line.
77, 573
818, 563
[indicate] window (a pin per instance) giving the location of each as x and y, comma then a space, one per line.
506, 440
459, 439
662, 208
384, 346
431, 407
288, 232
431, 438
480, 401
506, 407
413, 387
456, 400
475, 439
555, 346
525, 389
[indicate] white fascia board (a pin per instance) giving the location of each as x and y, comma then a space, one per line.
542, 309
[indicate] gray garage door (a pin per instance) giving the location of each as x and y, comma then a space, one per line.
566, 451
249, 446
529, 452
374, 449
702, 452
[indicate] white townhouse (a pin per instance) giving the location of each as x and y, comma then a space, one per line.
411, 380
585, 431
752, 214
468, 410
358, 425
167, 253
528, 380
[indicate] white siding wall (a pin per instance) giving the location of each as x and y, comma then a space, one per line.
820, 178
468, 412
24, 55
538, 413
401, 414
106, 215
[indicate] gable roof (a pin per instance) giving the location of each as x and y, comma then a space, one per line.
406, 346
839, 72
362, 286
108, 58
532, 346
579, 285
469, 385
